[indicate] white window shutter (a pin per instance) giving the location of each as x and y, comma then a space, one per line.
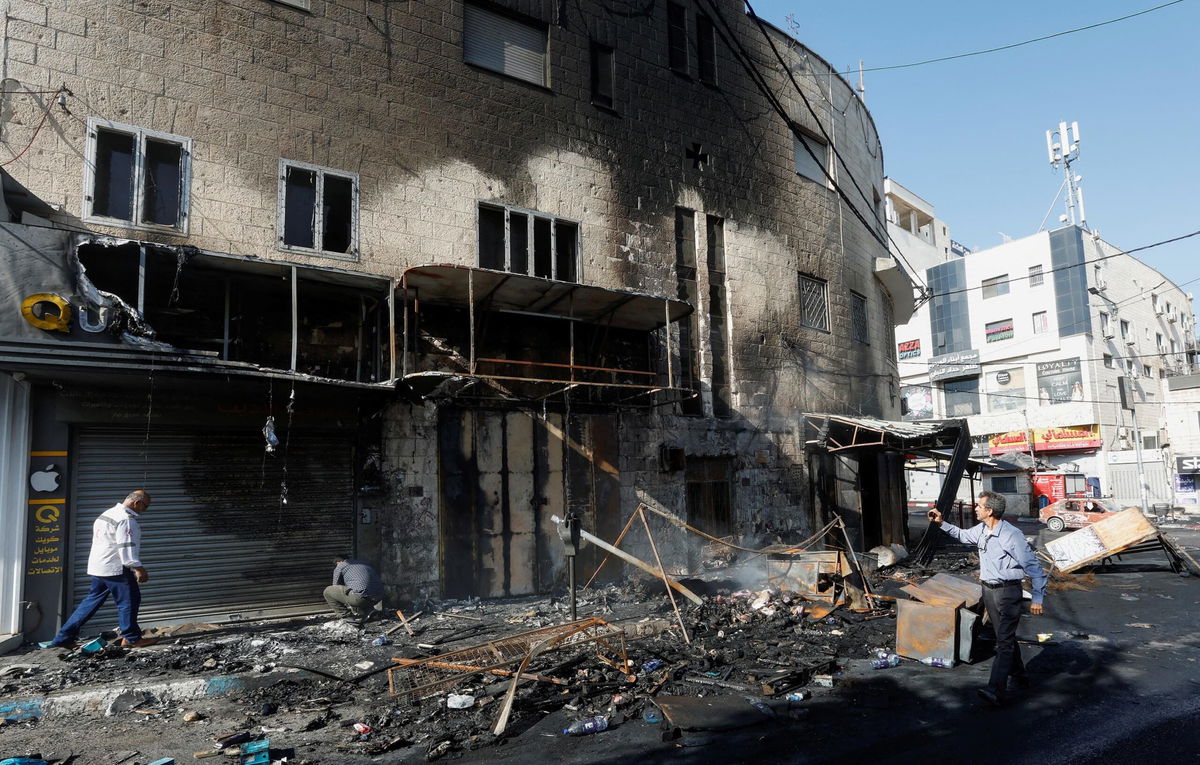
504, 44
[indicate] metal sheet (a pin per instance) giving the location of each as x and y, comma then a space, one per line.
923, 630
218, 542
448, 284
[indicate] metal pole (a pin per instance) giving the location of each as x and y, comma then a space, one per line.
571, 585
1137, 438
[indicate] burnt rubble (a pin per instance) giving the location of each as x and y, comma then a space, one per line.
766, 644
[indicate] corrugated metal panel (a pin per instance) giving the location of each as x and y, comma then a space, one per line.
504, 44
14, 461
217, 541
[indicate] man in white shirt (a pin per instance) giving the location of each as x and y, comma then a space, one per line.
116, 568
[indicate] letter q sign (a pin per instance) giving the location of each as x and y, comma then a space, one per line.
44, 317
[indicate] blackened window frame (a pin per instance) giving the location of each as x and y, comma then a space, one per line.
320, 174
678, 59
520, 242
603, 67
706, 49
141, 138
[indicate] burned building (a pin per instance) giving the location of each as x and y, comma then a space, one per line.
411, 279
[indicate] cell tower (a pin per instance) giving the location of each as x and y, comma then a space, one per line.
1062, 147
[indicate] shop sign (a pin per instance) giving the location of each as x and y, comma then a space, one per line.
956, 365
1059, 381
1186, 465
1066, 438
909, 349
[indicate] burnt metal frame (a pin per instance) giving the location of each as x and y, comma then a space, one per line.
409, 352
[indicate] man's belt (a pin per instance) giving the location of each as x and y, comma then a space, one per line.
998, 585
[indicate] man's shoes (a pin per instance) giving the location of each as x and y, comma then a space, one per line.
353, 622
69, 645
1018, 683
139, 643
990, 696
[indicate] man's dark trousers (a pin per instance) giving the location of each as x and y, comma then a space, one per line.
1003, 606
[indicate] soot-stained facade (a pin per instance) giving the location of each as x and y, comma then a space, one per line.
521, 259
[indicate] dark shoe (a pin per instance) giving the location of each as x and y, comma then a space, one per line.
353, 622
990, 696
1018, 683
139, 643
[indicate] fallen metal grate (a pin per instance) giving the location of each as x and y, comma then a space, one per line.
422, 678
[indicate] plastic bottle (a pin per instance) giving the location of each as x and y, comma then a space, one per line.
798, 696
886, 662
937, 661
586, 726
652, 665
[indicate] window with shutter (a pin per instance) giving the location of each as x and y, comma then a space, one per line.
505, 44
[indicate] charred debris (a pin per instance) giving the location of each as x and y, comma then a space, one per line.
773, 628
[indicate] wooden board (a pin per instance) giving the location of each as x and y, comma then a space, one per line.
1100, 540
971, 592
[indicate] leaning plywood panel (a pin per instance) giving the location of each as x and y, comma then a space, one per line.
1100, 540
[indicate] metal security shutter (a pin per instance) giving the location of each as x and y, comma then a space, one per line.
1126, 489
504, 44
217, 541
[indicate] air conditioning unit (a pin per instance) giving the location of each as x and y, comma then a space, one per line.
1131, 341
1159, 311
1173, 317
1122, 432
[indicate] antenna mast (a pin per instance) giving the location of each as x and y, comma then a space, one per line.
1062, 148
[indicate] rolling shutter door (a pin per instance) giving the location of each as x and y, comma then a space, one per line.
217, 541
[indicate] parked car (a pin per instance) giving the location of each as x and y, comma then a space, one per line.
1075, 512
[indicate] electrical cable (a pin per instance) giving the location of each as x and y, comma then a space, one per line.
1010, 46
1007, 364
1077, 265
38, 129
829, 140
1001, 394
725, 31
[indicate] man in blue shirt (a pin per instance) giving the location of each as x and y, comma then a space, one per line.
1004, 559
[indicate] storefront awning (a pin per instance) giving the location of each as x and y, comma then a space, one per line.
500, 291
837, 433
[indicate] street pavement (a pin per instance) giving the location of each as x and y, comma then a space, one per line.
1117, 682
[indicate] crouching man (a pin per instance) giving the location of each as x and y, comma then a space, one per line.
355, 590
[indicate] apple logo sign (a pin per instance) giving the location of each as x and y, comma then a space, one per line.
45, 480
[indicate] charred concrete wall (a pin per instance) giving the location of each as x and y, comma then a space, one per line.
381, 90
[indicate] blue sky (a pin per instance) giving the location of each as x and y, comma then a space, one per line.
969, 135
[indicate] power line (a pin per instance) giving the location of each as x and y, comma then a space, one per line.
1076, 265
743, 57
1012, 45
1002, 394
829, 140
1007, 364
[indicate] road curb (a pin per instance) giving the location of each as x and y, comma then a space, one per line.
97, 700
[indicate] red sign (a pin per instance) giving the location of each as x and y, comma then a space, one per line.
908, 349
1063, 439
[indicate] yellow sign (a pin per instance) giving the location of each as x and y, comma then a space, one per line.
46, 514
60, 322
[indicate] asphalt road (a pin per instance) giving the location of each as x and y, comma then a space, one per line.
1118, 682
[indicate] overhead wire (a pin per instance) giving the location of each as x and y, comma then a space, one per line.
1010, 46
1085, 262
829, 140
725, 31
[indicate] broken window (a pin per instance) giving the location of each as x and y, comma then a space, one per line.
603, 75
706, 49
318, 210
677, 37
718, 318
689, 330
136, 176
275, 316
504, 43
524, 242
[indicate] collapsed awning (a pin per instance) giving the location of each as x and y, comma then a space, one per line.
518, 293
836, 432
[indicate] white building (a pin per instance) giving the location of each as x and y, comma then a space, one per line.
1028, 340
